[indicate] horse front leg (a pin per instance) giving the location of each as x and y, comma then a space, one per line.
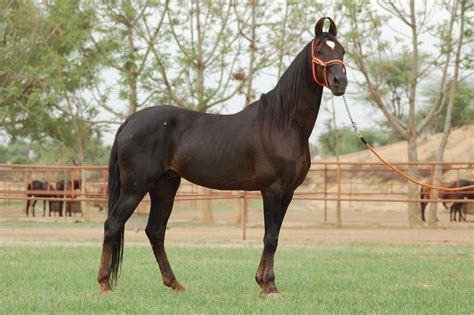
275, 204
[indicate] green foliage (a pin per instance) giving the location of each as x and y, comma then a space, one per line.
349, 142
463, 109
50, 152
47, 67
17, 152
327, 279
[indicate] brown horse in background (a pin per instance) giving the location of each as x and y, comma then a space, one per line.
262, 148
38, 185
456, 207
425, 193
67, 187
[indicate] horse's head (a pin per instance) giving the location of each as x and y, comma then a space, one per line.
327, 58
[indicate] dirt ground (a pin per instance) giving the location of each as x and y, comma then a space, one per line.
303, 225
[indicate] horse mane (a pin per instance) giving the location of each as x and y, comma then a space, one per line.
277, 107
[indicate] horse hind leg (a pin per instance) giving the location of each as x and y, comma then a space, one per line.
112, 247
162, 199
28, 206
33, 206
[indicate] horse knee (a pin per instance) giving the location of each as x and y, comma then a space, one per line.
270, 243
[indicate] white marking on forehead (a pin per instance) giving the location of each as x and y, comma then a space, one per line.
330, 43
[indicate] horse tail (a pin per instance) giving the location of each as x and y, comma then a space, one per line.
113, 197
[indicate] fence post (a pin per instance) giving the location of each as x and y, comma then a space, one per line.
83, 183
63, 210
338, 208
244, 216
350, 192
325, 193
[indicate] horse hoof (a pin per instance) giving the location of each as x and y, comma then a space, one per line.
178, 288
105, 292
271, 295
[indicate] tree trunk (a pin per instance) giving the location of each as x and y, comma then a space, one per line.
253, 51
131, 68
414, 211
432, 219
206, 207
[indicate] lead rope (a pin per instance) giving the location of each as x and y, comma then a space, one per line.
393, 167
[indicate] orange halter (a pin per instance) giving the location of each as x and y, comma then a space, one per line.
318, 61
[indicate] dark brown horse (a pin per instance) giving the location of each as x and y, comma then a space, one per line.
38, 185
425, 193
67, 186
264, 147
456, 207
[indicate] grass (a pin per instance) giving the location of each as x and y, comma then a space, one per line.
9, 224
368, 278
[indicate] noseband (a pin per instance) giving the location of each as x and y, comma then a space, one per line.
318, 61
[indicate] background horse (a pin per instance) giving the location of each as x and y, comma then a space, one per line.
425, 193
264, 147
457, 207
38, 185
67, 186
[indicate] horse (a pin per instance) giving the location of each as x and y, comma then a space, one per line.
38, 185
262, 148
67, 186
456, 207
425, 193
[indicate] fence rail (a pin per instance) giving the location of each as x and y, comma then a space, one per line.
326, 181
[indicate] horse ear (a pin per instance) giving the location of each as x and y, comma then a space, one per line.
332, 27
318, 29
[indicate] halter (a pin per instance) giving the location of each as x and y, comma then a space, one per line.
315, 60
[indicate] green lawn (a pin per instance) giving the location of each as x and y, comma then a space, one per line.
352, 278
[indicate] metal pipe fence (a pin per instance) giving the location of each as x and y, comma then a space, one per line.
326, 181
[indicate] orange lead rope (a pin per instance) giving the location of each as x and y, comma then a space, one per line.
318, 61
393, 167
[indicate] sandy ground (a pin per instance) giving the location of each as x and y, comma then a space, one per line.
301, 227
303, 236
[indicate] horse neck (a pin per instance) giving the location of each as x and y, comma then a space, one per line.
308, 108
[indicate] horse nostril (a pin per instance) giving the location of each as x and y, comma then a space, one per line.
335, 81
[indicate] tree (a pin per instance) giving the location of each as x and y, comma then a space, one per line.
46, 69
116, 37
376, 58
432, 218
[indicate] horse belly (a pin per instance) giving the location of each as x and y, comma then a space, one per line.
228, 172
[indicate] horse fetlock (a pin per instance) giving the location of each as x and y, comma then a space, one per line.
104, 283
259, 280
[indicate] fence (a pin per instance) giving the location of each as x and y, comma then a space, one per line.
326, 182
